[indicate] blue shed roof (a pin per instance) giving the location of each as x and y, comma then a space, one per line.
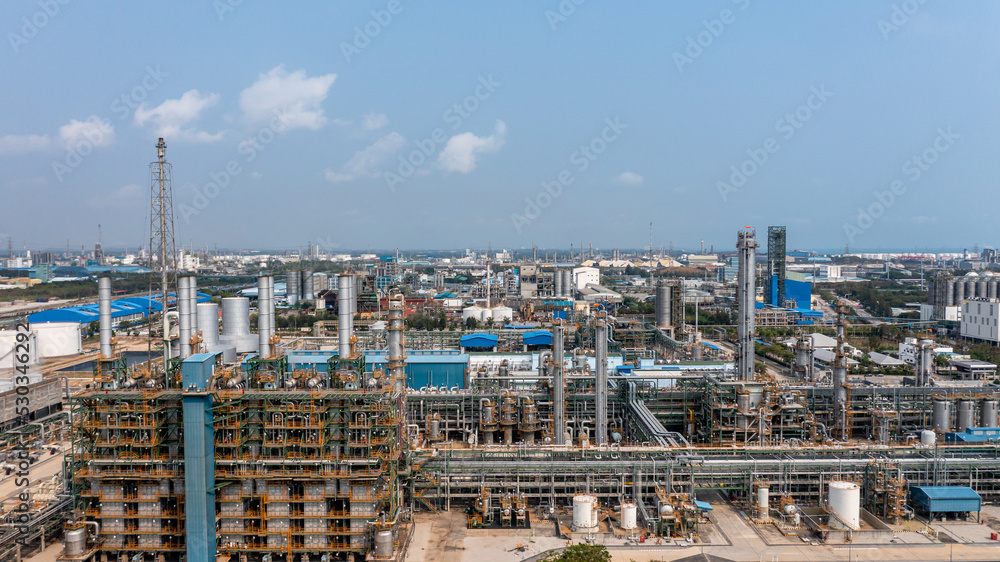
538, 337
84, 314
479, 340
947, 492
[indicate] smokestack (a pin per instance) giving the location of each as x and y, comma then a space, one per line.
184, 314
601, 380
397, 364
558, 385
263, 322
746, 292
104, 307
345, 320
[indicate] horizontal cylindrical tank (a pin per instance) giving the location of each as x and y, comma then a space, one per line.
629, 519
845, 501
941, 415
988, 413
584, 511
75, 542
966, 416
383, 544
236, 316
928, 437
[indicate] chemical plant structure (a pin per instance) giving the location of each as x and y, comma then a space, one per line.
258, 448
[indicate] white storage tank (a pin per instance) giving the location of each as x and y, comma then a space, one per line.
928, 437
503, 313
58, 339
485, 314
764, 501
472, 312
845, 501
629, 515
584, 512
236, 316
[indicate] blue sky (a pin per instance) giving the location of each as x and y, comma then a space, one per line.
338, 122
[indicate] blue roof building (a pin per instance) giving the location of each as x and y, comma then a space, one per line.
126, 309
479, 340
537, 337
945, 499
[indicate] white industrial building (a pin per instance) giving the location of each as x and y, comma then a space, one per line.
583, 276
50, 339
951, 313
910, 347
979, 319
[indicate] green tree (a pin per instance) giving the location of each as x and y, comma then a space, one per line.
580, 553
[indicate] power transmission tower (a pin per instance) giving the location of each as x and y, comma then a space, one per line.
161, 235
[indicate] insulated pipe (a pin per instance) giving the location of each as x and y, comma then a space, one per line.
558, 385
263, 322
601, 382
184, 314
104, 299
345, 320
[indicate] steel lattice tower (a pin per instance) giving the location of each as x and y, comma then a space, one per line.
161, 232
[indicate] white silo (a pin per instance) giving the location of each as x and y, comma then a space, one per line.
845, 502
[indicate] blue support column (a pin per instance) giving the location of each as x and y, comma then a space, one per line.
199, 458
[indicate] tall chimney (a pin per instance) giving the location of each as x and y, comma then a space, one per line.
345, 319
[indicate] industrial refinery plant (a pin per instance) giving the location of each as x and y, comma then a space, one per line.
247, 443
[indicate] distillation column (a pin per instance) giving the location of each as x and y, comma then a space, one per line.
183, 327
263, 320
746, 293
558, 385
345, 320
601, 379
104, 308
840, 381
397, 365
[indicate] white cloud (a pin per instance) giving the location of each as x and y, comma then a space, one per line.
459, 154
20, 144
374, 121
630, 178
95, 131
296, 97
171, 118
255, 175
128, 196
370, 161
